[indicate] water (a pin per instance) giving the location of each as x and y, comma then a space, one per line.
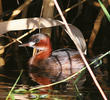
88, 90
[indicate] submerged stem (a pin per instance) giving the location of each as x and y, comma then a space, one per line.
14, 85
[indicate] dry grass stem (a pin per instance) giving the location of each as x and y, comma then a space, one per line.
18, 39
19, 9
81, 53
47, 12
70, 8
96, 27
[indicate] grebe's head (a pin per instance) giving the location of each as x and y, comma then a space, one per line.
39, 41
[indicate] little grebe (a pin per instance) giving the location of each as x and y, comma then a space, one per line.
48, 66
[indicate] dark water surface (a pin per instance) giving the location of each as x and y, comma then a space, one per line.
87, 89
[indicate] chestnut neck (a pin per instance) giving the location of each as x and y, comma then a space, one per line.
44, 54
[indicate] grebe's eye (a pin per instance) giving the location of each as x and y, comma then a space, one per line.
37, 41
